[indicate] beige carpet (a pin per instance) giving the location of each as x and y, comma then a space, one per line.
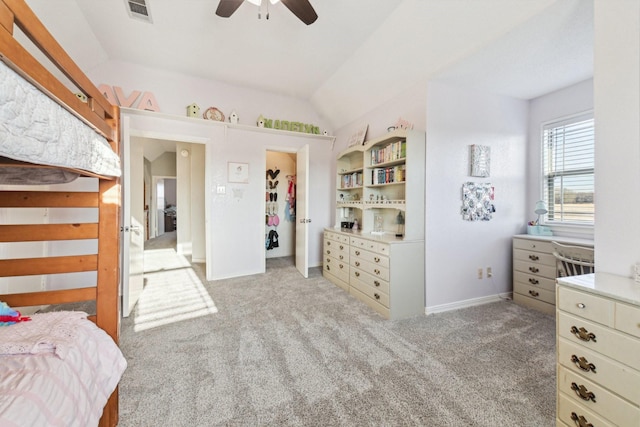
276, 349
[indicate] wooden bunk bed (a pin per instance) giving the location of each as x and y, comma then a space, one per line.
102, 120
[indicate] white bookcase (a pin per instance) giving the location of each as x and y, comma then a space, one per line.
380, 263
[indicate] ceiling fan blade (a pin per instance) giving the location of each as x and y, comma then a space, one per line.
227, 7
302, 9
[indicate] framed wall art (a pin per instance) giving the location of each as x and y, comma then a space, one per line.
238, 172
480, 160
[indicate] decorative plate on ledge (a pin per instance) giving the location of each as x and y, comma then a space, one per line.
212, 113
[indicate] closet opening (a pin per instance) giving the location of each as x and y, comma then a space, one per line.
280, 204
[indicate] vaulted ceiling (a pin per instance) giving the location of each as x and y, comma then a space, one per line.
357, 55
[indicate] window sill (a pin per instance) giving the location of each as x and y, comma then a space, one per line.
577, 231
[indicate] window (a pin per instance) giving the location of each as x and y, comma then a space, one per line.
568, 170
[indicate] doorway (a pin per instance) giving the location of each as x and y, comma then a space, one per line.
280, 203
286, 205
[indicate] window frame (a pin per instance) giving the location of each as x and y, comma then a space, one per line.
545, 178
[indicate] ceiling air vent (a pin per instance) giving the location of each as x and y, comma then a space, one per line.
139, 9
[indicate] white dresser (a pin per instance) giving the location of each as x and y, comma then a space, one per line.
385, 273
535, 270
598, 351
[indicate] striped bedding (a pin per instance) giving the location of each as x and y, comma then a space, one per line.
58, 369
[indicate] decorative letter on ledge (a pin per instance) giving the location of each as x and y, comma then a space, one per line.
116, 96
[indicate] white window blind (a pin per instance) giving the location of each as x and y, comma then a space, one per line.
568, 170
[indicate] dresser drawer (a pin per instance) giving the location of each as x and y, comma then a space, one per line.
364, 244
533, 245
367, 267
598, 368
534, 292
534, 257
575, 414
374, 294
627, 319
609, 342
336, 250
338, 237
370, 280
548, 271
340, 269
597, 398
357, 253
535, 281
585, 305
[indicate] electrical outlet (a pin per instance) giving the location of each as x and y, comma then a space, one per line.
489, 272
480, 273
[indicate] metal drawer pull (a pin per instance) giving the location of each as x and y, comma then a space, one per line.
580, 420
328, 252
583, 364
328, 259
583, 393
534, 257
328, 268
341, 266
357, 274
328, 243
341, 247
377, 271
341, 256
376, 295
376, 259
534, 293
358, 253
534, 269
357, 263
533, 281
375, 282
581, 305
583, 334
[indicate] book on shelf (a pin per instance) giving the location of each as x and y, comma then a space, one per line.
393, 151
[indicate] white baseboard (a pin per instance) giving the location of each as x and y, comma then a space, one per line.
467, 303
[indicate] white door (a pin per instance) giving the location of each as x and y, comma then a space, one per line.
132, 220
302, 209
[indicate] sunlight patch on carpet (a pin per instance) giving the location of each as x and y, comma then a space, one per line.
172, 291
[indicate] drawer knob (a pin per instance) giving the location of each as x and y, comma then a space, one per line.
357, 274
583, 364
534, 269
377, 295
534, 293
328, 252
328, 243
341, 256
583, 393
583, 334
358, 253
341, 266
580, 420
328, 268
533, 281
581, 305
357, 263
377, 271
534, 257
376, 259
341, 247
375, 282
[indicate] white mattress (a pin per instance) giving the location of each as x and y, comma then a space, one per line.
35, 129
60, 374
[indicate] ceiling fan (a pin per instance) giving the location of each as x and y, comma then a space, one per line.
301, 8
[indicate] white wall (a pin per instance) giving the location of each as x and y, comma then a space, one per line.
456, 249
173, 92
574, 99
617, 125
235, 220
